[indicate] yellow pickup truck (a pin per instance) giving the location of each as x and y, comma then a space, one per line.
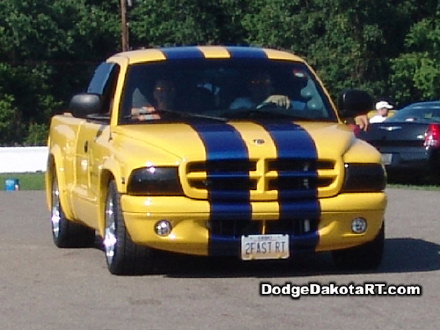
213, 151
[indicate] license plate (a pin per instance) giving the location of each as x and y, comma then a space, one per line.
387, 159
255, 247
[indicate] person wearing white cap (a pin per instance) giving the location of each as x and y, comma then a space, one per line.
382, 107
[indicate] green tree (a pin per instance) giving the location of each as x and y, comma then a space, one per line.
37, 134
416, 73
48, 49
338, 37
287, 24
352, 43
9, 124
185, 22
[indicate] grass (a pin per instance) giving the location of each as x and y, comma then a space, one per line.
27, 181
413, 186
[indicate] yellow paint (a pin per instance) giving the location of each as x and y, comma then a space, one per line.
214, 52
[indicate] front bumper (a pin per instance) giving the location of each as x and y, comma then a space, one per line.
193, 231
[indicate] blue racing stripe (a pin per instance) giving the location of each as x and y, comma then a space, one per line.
223, 142
294, 143
180, 53
246, 52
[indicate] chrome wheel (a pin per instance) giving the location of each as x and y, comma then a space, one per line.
67, 233
110, 239
123, 256
55, 213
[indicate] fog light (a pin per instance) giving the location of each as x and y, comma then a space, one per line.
359, 225
163, 228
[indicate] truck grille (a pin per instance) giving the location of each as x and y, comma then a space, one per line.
263, 178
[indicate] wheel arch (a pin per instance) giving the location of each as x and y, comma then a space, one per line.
55, 167
105, 177
48, 178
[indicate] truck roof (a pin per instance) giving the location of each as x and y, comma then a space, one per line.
205, 52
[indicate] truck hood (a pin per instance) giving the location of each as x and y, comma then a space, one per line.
201, 140
258, 155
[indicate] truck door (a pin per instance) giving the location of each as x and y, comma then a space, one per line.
89, 153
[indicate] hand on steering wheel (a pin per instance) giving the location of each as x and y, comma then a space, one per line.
281, 101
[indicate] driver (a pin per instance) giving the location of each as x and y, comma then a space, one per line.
260, 87
260, 92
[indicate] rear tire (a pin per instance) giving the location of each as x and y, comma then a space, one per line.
364, 257
66, 233
123, 256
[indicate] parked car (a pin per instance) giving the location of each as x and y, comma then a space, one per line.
410, 140
198, 176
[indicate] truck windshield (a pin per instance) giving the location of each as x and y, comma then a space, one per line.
223, 89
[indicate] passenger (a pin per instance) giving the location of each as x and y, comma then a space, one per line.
164, 93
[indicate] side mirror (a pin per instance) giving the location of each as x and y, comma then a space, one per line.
354, 102
85, 104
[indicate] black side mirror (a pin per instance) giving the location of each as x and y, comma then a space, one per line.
85, 104
354, 102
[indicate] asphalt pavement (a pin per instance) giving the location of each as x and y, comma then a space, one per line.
43, 287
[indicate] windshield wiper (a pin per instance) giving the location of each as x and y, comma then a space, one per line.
271, 110
194, 115
180, 114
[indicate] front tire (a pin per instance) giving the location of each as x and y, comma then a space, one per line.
66, 233
123, 256
364, 257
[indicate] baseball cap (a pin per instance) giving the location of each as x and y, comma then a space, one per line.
383, 104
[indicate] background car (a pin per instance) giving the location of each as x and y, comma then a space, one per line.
409, 141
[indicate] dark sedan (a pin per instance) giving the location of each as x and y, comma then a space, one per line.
410, 140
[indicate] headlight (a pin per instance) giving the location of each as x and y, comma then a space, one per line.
364, 178
154, 181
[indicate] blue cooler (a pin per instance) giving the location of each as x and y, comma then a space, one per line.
12, 184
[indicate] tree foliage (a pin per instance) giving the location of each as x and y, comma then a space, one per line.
48, 48
416, 71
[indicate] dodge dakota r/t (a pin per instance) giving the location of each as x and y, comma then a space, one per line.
214, 151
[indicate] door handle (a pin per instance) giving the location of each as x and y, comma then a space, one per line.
86, 146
